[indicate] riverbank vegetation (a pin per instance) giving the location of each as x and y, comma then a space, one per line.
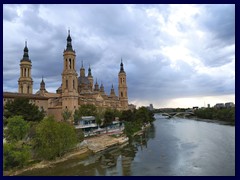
45, 140
29, 137
136, 119
224, 114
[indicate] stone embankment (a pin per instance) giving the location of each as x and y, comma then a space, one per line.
103, 142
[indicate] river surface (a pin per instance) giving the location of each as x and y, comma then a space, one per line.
170, 147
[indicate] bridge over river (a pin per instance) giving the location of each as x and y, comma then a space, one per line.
177, 114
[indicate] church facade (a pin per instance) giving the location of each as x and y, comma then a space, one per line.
74, 90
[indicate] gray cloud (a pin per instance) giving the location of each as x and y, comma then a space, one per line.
139, 34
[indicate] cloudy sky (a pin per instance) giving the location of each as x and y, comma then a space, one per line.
174, 55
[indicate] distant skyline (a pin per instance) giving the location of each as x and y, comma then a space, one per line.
174, 55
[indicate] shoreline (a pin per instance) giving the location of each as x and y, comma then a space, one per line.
210, 120
231, 123
91, 146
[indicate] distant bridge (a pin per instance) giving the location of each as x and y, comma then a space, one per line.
175, 114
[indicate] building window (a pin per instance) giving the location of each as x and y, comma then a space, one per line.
66, 63
66, 83
121, 94
70, 64
66, 107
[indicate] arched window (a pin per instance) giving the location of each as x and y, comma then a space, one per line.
70, 65
121, 94
66, 63
73, 84
25, 72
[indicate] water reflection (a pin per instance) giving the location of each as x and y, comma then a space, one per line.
170, 147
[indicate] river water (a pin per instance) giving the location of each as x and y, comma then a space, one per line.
170, 147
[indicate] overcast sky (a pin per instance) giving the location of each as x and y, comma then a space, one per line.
174, 55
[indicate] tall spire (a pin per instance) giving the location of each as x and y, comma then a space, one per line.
101, 87
89, 71
121, 66
25, 54
112, 93
42, 84
42, 80
82, 71
69, 42
96, 88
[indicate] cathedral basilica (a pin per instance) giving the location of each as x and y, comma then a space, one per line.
73, 91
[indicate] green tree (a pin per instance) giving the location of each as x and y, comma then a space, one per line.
22, 107
127, 115
53, 138
98, 120
85, 110
15, 156
117, 113
134, 120
224, 114
66, 114
76, 117
131, 128
80, 135
108, 117
142, 115
16, 129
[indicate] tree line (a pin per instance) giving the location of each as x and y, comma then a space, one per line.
32, 137
224, 114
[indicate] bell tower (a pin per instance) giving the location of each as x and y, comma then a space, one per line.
122, 87
25, 82
69, 78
